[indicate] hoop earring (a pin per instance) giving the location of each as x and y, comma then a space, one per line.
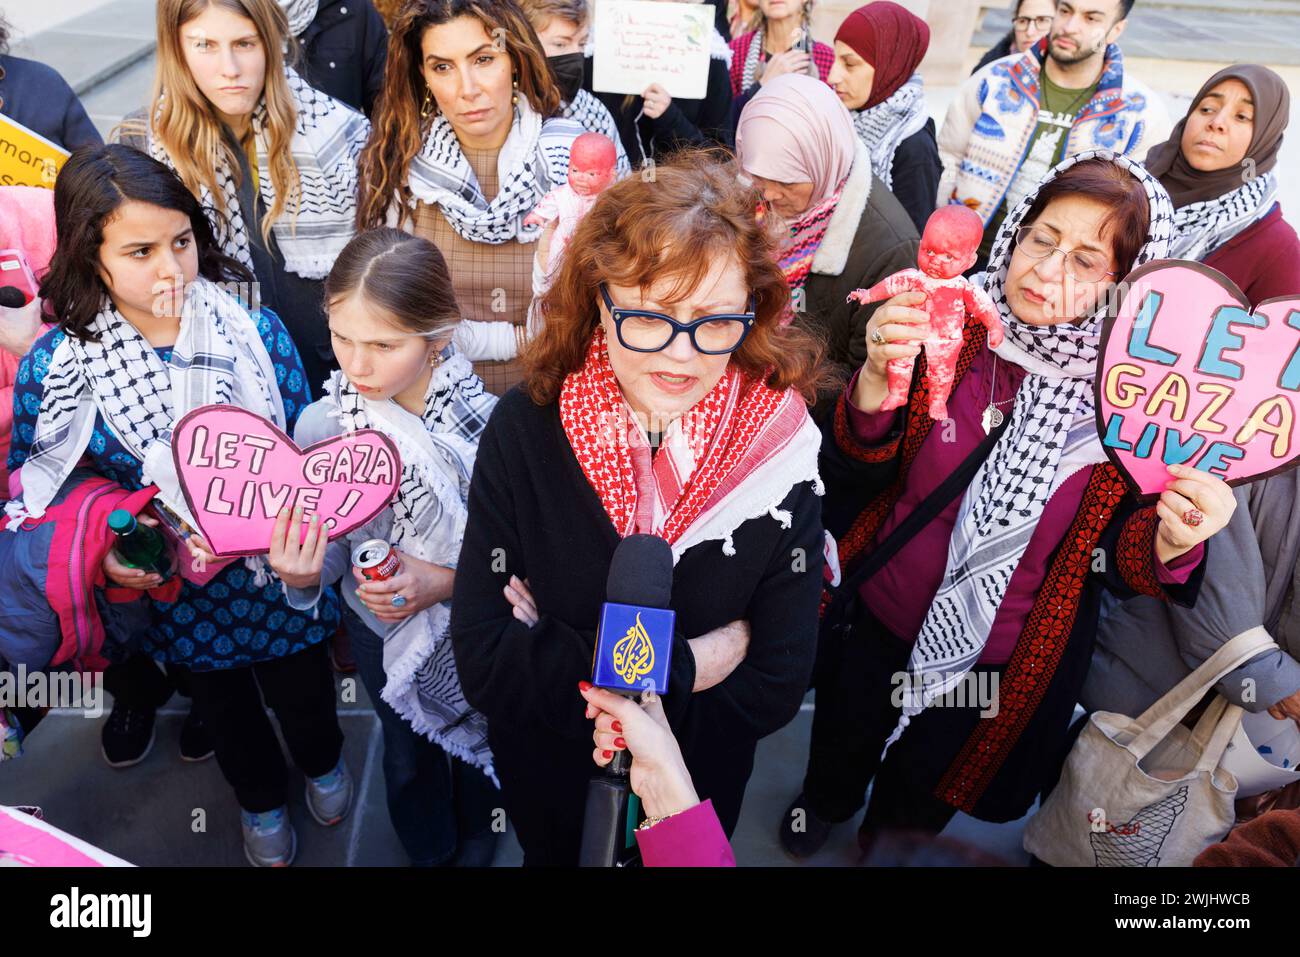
426, 108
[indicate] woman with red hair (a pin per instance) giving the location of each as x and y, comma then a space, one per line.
663, 397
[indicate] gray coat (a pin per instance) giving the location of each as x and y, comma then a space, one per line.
1145, 647
870, 237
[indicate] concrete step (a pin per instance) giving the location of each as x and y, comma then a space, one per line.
96, 46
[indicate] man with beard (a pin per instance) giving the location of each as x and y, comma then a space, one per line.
1019, 116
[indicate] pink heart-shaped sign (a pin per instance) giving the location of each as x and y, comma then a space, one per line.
238, 471
1190, 375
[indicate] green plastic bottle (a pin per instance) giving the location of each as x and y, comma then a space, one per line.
138, 546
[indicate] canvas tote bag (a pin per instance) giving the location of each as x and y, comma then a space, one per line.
1147, 792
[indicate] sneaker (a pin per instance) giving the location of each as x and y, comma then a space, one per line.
269, 840
128, 735
196, 743
329, 797
811, 834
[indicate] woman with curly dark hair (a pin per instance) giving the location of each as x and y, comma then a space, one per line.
466, 141
665, 397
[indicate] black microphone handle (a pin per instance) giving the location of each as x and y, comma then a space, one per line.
604, 821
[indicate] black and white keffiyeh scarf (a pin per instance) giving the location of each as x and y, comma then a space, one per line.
887, 124
749, 71
219, 359
1201, 228
300, 13
427, 521
592, 115
1052, 435
534, 160
326, 142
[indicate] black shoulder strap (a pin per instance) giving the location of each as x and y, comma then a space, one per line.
921, 516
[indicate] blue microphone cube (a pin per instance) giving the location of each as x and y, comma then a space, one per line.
634, 648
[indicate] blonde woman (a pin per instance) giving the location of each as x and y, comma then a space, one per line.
468, 139
272, 160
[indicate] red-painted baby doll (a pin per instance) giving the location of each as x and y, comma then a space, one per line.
591, 169
948, 248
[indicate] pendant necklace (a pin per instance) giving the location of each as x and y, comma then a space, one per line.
993, 416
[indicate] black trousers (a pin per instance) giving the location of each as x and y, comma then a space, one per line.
856, 684
141, 685
300, 690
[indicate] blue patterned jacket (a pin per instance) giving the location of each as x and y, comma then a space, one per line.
989, 126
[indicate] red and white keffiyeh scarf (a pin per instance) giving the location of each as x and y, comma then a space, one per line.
734, 456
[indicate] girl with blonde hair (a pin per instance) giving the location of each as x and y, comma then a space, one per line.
271, 159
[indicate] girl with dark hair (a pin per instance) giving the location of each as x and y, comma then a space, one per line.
976, 551
34, 95
467, 140
664, 396
392, 314
146, 332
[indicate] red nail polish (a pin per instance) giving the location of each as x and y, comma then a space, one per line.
608, 754
584, 685
620, 743
616, 726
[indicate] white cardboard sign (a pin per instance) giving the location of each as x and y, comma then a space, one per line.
639, 42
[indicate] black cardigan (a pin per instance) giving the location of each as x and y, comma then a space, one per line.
916, 173
344, 51
532, 513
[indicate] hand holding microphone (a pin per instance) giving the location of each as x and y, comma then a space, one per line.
659, 776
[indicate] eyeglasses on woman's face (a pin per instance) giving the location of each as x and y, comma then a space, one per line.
643, 331
1082, 264
1040, 24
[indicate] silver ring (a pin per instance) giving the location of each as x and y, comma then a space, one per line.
877, 338
399, 601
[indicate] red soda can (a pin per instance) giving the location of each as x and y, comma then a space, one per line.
377, 560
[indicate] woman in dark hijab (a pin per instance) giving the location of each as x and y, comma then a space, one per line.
1219, 167
877, 52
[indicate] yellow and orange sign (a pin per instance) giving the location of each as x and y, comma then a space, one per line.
26, 157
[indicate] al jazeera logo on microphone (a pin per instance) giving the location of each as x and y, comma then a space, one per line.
637, 660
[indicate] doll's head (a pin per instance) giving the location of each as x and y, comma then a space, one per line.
951, 242
591, 163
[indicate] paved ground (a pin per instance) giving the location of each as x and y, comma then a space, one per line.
147, 814
165, 811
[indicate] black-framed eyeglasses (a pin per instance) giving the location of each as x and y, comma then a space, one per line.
1081, 264
644, 331
1040, 23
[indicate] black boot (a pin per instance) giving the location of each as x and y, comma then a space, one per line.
196, 743
802, 832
